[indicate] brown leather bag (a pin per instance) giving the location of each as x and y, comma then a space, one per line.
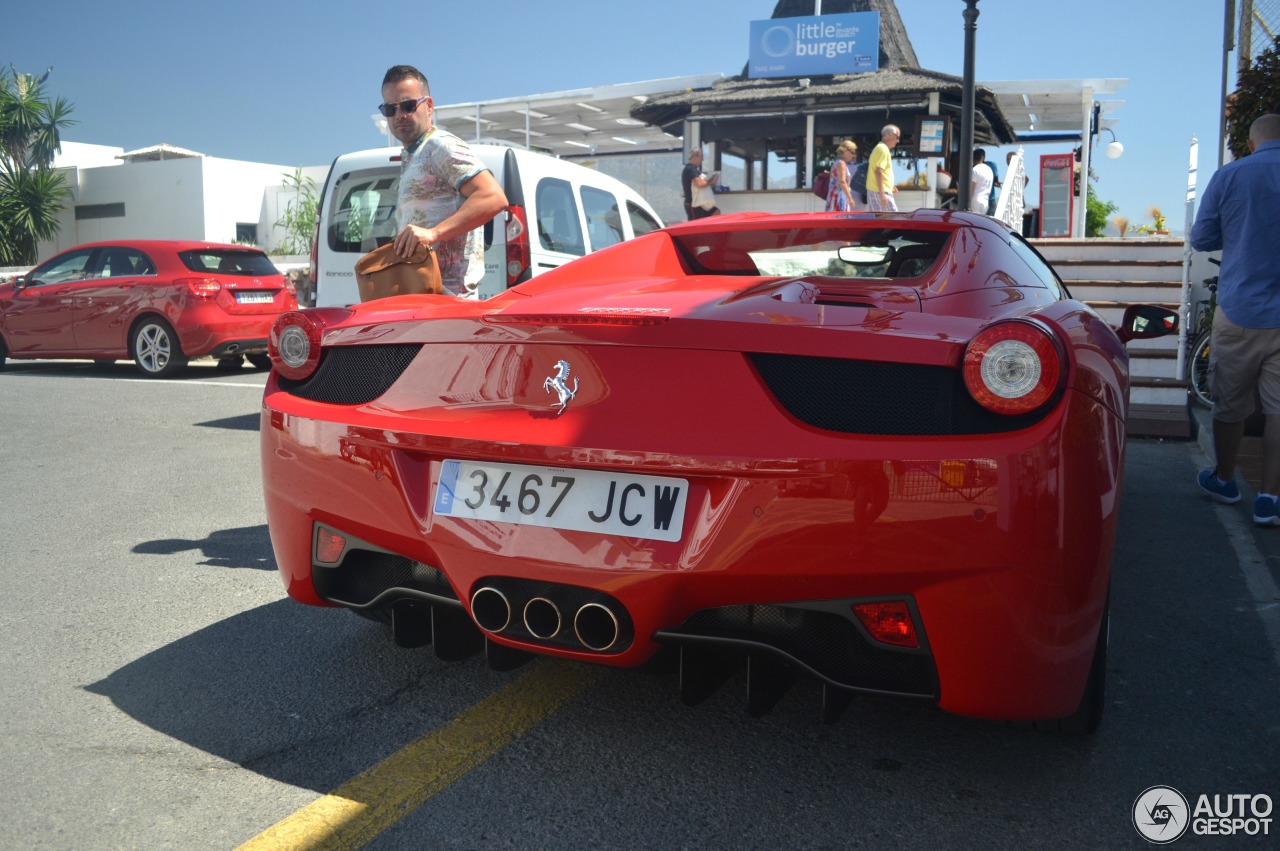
382, 273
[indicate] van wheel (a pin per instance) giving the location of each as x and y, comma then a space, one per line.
155, 348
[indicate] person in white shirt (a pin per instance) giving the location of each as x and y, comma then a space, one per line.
980, 183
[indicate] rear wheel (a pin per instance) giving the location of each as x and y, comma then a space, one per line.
260, 360
4, 354
1088, 714
155, 348
1199, 377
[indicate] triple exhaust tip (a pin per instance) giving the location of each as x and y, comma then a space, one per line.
594, 624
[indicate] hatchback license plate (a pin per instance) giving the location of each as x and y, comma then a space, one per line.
624, 504
255, 298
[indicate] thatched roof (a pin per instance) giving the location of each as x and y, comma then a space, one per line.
903, 86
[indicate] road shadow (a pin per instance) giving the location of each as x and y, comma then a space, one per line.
246, 689
246, 547
245, 422
205, 369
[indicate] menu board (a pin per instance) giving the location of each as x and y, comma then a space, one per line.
1057, 194
933, 136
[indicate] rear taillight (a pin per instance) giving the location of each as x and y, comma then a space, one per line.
518, 253
888, 622
201, 287
1013, 367
315, 254
289, 287
294, 345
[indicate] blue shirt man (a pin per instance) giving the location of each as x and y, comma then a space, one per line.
1240, 214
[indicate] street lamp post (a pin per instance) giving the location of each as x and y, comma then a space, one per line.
965, 172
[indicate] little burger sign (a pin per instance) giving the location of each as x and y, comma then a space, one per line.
816, 45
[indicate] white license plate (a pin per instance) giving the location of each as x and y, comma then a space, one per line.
255, 298
583, 500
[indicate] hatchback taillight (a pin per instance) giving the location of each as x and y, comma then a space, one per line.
519, 257
294, 345
1013, 367
201, 287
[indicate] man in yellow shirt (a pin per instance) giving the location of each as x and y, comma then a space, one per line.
880, 184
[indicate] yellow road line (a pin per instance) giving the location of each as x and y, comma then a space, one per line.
355, 813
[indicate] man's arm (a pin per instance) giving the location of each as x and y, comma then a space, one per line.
1206, 233
484, 200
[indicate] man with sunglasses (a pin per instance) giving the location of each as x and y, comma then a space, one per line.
446, 192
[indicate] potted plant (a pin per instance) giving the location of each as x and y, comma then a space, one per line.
1122, 225
1157, 226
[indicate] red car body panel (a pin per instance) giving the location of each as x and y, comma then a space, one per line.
1000, 541
92, 318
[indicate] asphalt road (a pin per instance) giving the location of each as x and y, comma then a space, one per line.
157, 689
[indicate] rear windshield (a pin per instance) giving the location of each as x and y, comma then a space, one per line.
362, 210
228, 262
840, 252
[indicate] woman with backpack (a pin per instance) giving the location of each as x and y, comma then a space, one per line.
839, 192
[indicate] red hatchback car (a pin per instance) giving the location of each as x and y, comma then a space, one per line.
881, 451
159, 303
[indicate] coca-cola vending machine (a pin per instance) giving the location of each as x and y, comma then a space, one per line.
1057, 194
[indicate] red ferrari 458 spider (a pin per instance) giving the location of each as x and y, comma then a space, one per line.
882, 451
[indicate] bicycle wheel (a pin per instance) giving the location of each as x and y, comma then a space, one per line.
1199, 371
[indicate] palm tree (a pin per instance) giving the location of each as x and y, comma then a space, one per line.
31, 195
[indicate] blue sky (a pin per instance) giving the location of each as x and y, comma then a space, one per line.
295, 83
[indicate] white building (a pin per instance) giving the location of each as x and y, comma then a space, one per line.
163, 192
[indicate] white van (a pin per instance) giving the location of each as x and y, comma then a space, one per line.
557, 210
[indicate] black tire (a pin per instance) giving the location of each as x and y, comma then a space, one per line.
230, 364
1198, 369
1088, 715
104, 361
4, 354
260, 360
155, 348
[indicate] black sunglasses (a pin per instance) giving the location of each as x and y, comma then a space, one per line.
405, 106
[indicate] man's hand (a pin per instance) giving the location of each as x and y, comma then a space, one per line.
408, 240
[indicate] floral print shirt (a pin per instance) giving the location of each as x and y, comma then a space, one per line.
432, 171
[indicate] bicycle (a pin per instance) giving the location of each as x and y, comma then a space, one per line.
1200, 350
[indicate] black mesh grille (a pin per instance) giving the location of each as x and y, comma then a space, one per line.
364, 574
826, 642
873, 397
354, 375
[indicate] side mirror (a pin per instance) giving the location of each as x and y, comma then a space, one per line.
20, 282
1147, 321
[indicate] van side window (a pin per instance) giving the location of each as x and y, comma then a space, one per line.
604, 221
558, 226
641, 222
363, 212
